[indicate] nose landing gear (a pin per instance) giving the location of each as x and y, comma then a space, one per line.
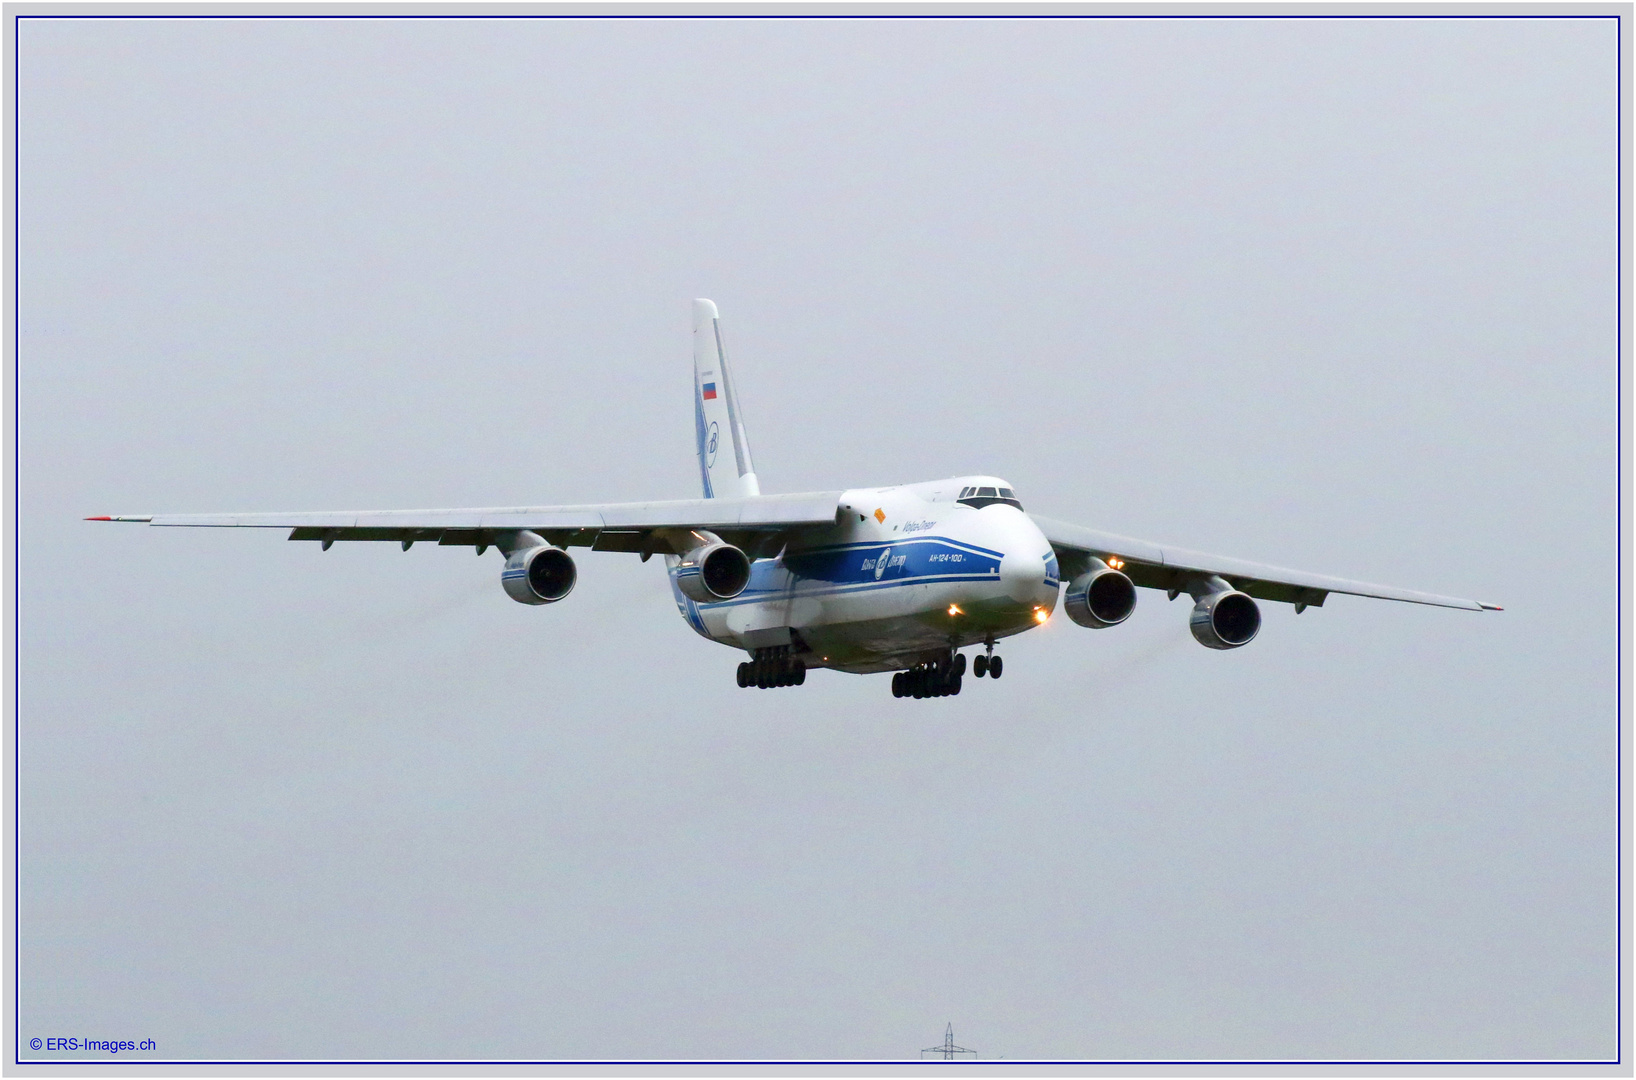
772, 667
988, 664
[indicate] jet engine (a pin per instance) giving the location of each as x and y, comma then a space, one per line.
538, 575
1100, 597
713, 571
1224, 619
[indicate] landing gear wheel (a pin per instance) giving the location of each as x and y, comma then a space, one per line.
959, 665
979, 666
800, 673
743, 675
995, 666
929, 681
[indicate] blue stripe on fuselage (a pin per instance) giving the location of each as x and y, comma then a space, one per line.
920, 557
686, 605
860, 545
845, 568
836, 590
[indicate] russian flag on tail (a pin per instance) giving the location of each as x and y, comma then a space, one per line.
709, 391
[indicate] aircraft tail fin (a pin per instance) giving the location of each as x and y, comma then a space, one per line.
724, 449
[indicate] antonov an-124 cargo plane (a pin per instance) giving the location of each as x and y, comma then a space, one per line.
895, 579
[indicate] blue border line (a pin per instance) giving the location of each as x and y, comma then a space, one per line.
80, 1062
1619, 528
16, 535
854, 17
17, 21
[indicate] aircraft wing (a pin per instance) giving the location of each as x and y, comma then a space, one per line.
750, 523
1163, 567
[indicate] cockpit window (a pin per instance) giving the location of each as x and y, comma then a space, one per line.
980, 497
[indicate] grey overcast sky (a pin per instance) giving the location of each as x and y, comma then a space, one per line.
1334, 294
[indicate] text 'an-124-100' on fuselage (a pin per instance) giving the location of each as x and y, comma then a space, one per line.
882, 579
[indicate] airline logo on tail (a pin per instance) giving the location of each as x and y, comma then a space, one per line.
724, 452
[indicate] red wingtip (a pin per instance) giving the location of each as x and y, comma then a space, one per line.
104, 517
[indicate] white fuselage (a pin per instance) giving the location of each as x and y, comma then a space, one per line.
907, 573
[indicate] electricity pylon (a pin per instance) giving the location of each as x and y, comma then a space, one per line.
948, 1051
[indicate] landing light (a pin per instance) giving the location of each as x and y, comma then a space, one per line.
1040, 615
954, 609
1116, 562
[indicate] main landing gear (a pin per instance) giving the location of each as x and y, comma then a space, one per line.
940, 679
773, 667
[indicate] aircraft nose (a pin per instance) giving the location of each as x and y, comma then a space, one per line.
1022, 572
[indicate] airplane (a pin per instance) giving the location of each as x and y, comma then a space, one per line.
892, 579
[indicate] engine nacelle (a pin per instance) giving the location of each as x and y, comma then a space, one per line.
712, 572
538, 575
1225, 619
1100, 597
